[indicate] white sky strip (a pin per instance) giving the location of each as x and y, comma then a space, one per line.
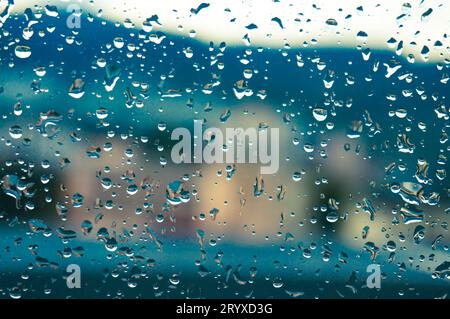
294, 23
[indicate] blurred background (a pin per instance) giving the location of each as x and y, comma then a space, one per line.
87, 177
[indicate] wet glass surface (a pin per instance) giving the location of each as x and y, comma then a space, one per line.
94, 203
